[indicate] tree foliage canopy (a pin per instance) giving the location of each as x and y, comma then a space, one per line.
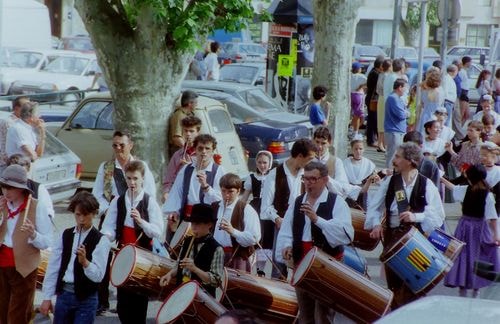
412, 18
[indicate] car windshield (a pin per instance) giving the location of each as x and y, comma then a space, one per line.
407, 53
240, 74
78, 44
259, 100
430, 52
67, 65
251, 48
370, 51
240, 112
25, 60
459, 51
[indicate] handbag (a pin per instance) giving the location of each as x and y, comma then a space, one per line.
373, 105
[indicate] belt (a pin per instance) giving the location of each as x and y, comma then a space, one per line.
69, 287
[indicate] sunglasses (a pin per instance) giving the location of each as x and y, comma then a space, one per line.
121, 145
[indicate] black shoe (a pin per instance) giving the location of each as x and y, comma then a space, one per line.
101, 311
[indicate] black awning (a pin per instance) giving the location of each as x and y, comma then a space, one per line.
292, 11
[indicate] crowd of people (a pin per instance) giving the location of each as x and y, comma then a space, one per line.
275, 216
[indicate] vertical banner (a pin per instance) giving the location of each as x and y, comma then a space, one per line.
305, 59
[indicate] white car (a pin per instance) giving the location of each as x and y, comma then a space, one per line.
58, 168
22, 63
65, 73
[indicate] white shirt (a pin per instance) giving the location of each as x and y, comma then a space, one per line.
449, 87
95, 270
446, 133
464, 76
434, 147
489, 208
493, 175
174, 200
20, 134
267, 210
340, 185
432, 216
334, 229
98, 189
212, 66
251, 232
248, 182
43, 226
152, 229
357, 171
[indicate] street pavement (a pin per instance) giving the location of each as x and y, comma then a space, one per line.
65, 219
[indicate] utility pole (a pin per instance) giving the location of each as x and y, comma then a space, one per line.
395, 27
444, 24
423, 18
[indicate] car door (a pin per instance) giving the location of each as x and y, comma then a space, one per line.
88, 132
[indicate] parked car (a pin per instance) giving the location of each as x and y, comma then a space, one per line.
65, 73
457, 52
255, 97
89, 129
80, 43
58, 168
473, 73
431, 55
245, 52
25, 62
247, 73
366, 54
256, 132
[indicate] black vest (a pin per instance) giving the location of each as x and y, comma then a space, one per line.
256, 188
120, 182
33, 185
186, 182
474, 203
417, 201
281, 191
202, 259
142, 207
84, 287
324, 211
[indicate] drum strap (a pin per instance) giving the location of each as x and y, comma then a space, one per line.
186, 182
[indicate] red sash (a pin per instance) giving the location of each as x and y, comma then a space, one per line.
307, 246
188, 210
6, 257
128, 235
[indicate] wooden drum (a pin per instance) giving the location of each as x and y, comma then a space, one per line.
190, 304
362, 237
183, 231
140, 270
273, 301
341, 288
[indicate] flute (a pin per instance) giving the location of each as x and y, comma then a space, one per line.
185, 277
223, 212
28, 204
185, 150
79, 230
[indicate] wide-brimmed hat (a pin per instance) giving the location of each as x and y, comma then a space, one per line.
202, 213
15, 176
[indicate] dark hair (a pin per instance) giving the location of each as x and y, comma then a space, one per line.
399, 83
323, 132
188, 96
466, 59
17, 102
386, 65
438, 64
488, 119
397, 65
413, 137
204, 139
191, 121
303, 146
230, 181
214, 46
429, 125
20, 159
241, 316
477, 125
85, 201
135, 165
378, 61
476, 174
481, 76
319, 92
121, 133
315, 165
497, 74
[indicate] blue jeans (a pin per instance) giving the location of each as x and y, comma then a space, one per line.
449, 110
71, 310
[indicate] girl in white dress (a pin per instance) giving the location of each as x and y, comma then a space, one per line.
433, 145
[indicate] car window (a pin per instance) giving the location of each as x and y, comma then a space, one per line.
259, 100
105, 120
240, 74
240, 112
53, 146
369, 51
475, 52
87, 116
458, 51
25, 60
67, 65
221, 123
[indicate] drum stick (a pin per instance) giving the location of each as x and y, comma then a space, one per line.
184, 151
272, 263
188, 249
28, 204
356, 252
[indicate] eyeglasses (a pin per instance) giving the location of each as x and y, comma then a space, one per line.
120, 145
310, 179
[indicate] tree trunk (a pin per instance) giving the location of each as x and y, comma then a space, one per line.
411, 35
334, 28
139, 69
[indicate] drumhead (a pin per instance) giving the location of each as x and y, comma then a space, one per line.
179, 234
123, 265
178, 301
220, 292
393, 250
303, 266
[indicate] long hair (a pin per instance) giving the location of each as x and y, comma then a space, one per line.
482, 77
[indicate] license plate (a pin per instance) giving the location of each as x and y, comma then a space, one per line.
56, 175
28, 92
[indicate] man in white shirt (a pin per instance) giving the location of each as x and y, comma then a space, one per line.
5, 124
418, 204
212, 62
27, 135
464, 88
450, 91
76, 265
316, 218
